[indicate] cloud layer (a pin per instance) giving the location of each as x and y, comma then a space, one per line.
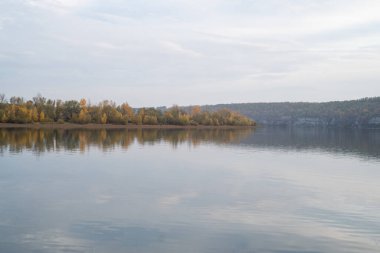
190, 52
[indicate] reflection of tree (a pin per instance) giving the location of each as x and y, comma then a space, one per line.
43, 140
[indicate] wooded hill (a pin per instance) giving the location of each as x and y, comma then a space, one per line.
363, 112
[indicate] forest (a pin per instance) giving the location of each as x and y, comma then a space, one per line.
363, 112
44, 110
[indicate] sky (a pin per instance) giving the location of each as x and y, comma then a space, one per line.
186, 52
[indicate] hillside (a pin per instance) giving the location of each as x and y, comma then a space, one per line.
354, 113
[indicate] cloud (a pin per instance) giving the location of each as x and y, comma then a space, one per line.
177, 48
58, 5
108, 46
235, 51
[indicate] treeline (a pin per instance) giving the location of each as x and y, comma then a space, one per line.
43, 110
352, 113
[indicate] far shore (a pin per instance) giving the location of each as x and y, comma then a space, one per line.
110, 126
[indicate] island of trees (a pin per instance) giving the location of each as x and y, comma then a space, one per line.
43, 110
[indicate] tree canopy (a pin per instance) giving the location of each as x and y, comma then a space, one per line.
43, 110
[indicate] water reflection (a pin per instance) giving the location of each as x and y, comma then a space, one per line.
237, 191
45, 140
364, 143
125, 236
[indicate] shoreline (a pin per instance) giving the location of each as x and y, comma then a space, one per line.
110, 126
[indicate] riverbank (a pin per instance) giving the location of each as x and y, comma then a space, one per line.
110, 126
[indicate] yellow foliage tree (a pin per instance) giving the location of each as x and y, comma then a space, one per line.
35, 114
83, 103
84, 117
139, 120
3, 116
127, 110
42, 116
184, 119
103, 119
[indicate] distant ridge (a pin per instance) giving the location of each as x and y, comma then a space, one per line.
360, 113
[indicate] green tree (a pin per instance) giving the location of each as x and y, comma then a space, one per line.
70, 109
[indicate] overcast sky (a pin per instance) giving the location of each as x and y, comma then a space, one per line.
164, 52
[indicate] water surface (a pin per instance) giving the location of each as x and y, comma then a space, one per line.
269, 190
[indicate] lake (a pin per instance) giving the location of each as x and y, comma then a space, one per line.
266, 190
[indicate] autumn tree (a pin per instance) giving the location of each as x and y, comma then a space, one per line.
3, 116
41, 109
127, 112
42, 117
34, 114
103, 119
83, 117
195, 110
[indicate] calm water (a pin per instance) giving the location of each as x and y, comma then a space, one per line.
272, 190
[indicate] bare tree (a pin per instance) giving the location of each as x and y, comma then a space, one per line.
2, 98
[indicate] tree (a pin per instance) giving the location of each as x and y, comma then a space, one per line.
70, 108
16, 100
140, 116
150, 120
3, 116
83, 103
127, 111
39, 100
17, 114
184, 119
34, 114
58, 110
49, 109
139, 120
116, 117
103, 119
83, 117
195, 110
41, 109
2, 99
42, 117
